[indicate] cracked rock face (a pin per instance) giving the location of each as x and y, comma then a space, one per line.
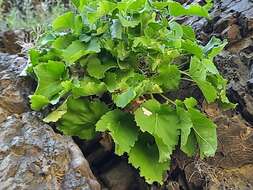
232, 166
32, 155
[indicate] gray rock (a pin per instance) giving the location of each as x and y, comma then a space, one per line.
14, 90
32, 155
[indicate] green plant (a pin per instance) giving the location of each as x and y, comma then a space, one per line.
109, 64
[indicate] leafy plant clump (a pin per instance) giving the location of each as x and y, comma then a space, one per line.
109, 67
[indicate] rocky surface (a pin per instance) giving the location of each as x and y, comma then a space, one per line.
14, 90
32, 155
232, 166
10, 41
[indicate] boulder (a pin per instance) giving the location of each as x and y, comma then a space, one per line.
32, 155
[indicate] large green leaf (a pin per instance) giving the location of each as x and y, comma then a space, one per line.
77, 49
145, 157
121, 127
66, 21
50, 76
159, 120
81, 117
205, 132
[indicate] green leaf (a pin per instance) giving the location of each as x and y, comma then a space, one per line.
81, 117
208, 90
190, 102
210, 67
97, 69
117, 80
38, 102
123, 99
188, 33
75, 51
128, 21
87, 87
56, 114
190, 147
168, 77
185, 124
94, 46
63, 42
176, 9
46, 39
34, 56
176, 29
214, 47
144, 156
64, 21
121, 127
192, 47
49, 75
197, 69
205, 132
159, 120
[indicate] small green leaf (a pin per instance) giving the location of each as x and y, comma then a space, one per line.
75, 51
188, 33
168, 77
121, 127
197, 69
38, 102
185, 124
63, 42
214, 47
192, 47
128, 21
176, 9
210, 67
123, 99
97, 69
190, 147
208, 90
190, 102
94, 46
57, 114
87, 87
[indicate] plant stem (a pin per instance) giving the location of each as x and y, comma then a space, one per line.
167, 99
185, 73
187, 79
